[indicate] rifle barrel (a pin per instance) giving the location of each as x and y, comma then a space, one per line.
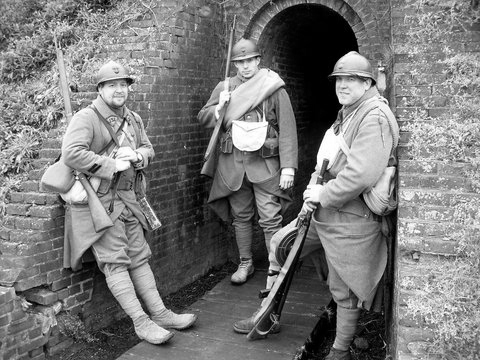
63, 80
229, 51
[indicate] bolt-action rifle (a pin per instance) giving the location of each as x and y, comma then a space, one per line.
208, 167
101, 220
269, 315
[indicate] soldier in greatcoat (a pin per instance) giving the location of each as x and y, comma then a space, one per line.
121, 250
345, 235
258, 151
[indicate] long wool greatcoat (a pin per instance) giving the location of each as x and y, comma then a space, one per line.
231, 168
353, 242
85, 137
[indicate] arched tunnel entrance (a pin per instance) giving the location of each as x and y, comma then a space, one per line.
302, 43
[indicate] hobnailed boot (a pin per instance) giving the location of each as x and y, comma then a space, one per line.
121, 287
146, 287
246, 325
245, 270
317, 337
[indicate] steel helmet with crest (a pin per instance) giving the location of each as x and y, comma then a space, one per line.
113, 71
354, 64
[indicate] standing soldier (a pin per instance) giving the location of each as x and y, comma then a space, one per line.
346, 226
258, 150
121, 251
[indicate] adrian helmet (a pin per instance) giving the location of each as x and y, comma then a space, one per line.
355, 64
113, 71
244, 49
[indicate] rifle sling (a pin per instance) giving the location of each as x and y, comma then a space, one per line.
271, 123
109, 127
116, 177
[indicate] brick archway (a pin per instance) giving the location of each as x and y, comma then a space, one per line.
269, 10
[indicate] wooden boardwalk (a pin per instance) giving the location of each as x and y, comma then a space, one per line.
213, 337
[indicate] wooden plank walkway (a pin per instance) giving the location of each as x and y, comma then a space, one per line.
213, 337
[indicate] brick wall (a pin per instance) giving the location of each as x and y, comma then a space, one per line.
429, 191
179, 50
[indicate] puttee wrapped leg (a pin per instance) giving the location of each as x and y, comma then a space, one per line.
146, 287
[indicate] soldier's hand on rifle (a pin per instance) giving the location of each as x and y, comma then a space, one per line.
122, 165
312, 194
222, 100
126, 153
307, 206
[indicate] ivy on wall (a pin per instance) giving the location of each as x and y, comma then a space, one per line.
447, 298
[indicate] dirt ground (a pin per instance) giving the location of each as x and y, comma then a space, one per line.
111, 342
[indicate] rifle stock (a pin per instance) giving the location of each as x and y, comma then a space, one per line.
269, 314
101, 220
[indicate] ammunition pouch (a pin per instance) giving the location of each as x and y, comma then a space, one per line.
269, 148
104, 187
226, 143
126, 180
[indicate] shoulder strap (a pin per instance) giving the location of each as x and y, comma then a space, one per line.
364, 110
261, 111
109, 127
136, 126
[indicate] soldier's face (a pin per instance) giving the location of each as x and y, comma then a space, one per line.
114, 92
350, 88
248, 67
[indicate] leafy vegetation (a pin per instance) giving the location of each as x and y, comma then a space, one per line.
30, 100
448, 296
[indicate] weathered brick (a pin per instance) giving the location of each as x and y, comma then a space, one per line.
30, 282
41, 296
30, 186
17, 209
21, 326
32, 344
60, 284
7, 294
57, 348
5, 233
28, 236
4, 320
49, 211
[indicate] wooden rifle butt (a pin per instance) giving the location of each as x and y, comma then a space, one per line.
101, 220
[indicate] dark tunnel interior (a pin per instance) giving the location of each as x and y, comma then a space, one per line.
302, 44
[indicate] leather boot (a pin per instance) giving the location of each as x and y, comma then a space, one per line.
121, 287
146, 287
245, 270
246, 325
